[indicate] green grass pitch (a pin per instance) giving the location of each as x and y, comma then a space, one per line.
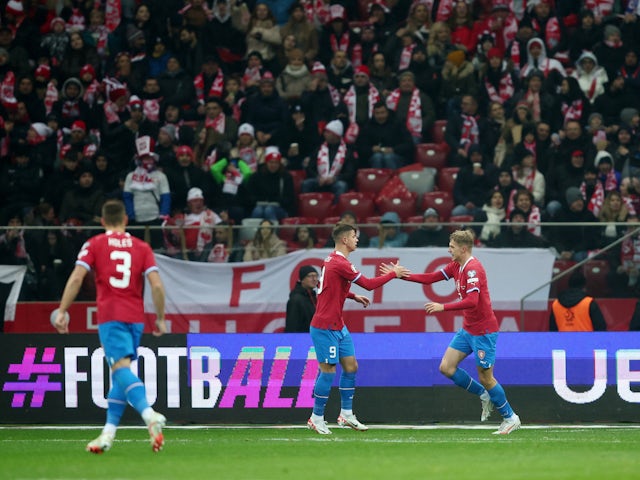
390, 453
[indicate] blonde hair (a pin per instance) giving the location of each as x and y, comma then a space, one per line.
464, 238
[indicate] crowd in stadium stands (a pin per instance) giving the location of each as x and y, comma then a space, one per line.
240, 118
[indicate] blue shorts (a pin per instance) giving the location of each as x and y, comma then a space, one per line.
483, 346
332, 345
120, 340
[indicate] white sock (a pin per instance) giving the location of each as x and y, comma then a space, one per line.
346, 412
147, 414
110, 429
317, 418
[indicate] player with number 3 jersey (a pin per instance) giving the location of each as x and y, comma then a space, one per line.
121, 263
330, 336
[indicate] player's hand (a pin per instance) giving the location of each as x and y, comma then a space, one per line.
363, 300
161, 327
384, 268
61, 323
401, 272
433, 307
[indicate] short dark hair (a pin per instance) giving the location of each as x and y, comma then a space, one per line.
113, 212
340, 229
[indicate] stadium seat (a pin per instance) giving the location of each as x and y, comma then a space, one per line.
288, 226
447, 178
359, 203
316, 204
421, 181
371, 180
413, 219
404, 207
325, 227
596, 273
298, 177
432, 155
562, 284
441, 201
437, 131
459, 221
371, 230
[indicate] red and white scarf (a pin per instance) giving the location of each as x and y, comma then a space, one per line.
414, 114
610, 181
405, 56
218, 124
470, 133
249, 155
445, 9
7, 87
505, 88
597, 198
50, 97
342, 45
338, 161
111, 112
600, 8
251, 74
151, 109
572, 111
196, 239
350, 100
515, 54
216, 89
533, 221
112, 13
317, 11
90, 92
552, 32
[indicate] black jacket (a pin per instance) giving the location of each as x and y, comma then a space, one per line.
300, 309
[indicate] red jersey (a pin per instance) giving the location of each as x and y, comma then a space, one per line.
471, 277
120, 262
333, 288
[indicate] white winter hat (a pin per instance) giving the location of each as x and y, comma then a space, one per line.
42, 129
194, 193
335, 126
246, 128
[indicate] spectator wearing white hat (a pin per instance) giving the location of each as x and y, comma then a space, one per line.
247, 147
147, 196
271, 188
194, 228
332, 167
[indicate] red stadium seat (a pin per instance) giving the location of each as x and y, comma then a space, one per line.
596, 273
298, 177
447, 178
562, 284
289, 224
373, 229
325, 227
404, 207
459, 221
441, 201
371, 180
437, 131
359, 203
432, 155
316, 204
413, 219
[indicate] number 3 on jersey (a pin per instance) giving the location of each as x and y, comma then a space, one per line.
122, 260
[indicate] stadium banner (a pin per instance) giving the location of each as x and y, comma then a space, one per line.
251, 297
268, 379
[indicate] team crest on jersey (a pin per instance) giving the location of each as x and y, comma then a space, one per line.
471, 273
481, 354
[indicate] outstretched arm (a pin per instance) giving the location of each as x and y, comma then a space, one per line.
389, 272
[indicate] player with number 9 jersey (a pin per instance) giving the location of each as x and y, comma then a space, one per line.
120, 262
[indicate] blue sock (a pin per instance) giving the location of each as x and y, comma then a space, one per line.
117, 402
499, 399
464, 380
347, 390
132, 387
321, 392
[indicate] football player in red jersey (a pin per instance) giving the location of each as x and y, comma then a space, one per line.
120, 262
479, 331
331, 338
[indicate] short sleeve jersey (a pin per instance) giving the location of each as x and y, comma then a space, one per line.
471, 277
335, 282
120, 263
